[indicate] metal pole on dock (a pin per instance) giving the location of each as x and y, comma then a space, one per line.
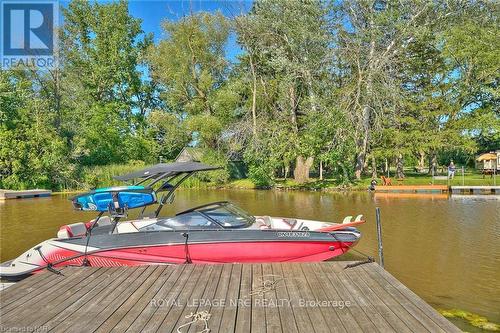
379, 237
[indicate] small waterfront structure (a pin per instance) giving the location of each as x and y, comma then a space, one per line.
236, 167
36, 193
489, 163
190, 154
287, 297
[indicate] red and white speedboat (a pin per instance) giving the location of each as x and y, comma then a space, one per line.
217, 232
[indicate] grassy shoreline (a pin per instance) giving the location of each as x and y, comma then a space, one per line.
103, 177
331, 185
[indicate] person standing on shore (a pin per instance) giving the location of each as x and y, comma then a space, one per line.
451, 170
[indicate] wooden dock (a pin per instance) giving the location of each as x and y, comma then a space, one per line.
476, 189
8, 194
413, 188
278, 297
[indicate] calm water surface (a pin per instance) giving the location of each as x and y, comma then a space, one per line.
445, 249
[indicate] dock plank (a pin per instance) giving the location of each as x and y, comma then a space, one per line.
302, 317
80, 320
120, 299
409, 306
122, 310
50, 298
258, 312
62, 309
158, 303
329, 313
357, 304
273, 320
442, 322
209, 294
177, 308
244, 314
345, 314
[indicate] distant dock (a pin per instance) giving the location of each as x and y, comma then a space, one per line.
277, 297
38, 193
413, 188
475, 189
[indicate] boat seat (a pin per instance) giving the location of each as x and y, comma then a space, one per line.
72, 230
262, 222
104, 220
347, 219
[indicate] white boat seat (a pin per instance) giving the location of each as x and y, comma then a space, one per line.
262, 222
104, 220
358, 218
72, 230
347, 219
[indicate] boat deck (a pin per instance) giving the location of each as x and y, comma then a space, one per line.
278, 297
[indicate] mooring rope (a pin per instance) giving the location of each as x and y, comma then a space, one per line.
198, 316
267, 285
369, 259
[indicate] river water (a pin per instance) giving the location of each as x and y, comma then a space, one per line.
446, 249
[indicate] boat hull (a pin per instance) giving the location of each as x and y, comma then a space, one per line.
199, 247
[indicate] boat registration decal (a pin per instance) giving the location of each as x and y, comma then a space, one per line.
290, 234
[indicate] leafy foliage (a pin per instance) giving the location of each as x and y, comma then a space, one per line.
341, 84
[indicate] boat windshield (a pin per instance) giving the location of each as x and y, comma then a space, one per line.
227, 215
212, 216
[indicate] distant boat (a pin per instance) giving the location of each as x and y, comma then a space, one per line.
217, 232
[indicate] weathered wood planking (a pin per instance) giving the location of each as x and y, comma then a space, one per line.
277, 297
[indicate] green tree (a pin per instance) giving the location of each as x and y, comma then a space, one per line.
286, 47
105, 97
190, 65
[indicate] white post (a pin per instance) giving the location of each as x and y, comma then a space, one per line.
463, 176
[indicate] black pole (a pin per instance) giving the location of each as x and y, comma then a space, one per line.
379, 237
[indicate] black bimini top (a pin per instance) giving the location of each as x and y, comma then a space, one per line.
169, 169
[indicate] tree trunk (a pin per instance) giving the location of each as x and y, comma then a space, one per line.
399, 167
287, 170
254, 98
432, 164
421, 161
366, 112
386, 167
302, 168
320, 170
374, 167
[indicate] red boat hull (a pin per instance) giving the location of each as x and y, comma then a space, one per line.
211, 253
